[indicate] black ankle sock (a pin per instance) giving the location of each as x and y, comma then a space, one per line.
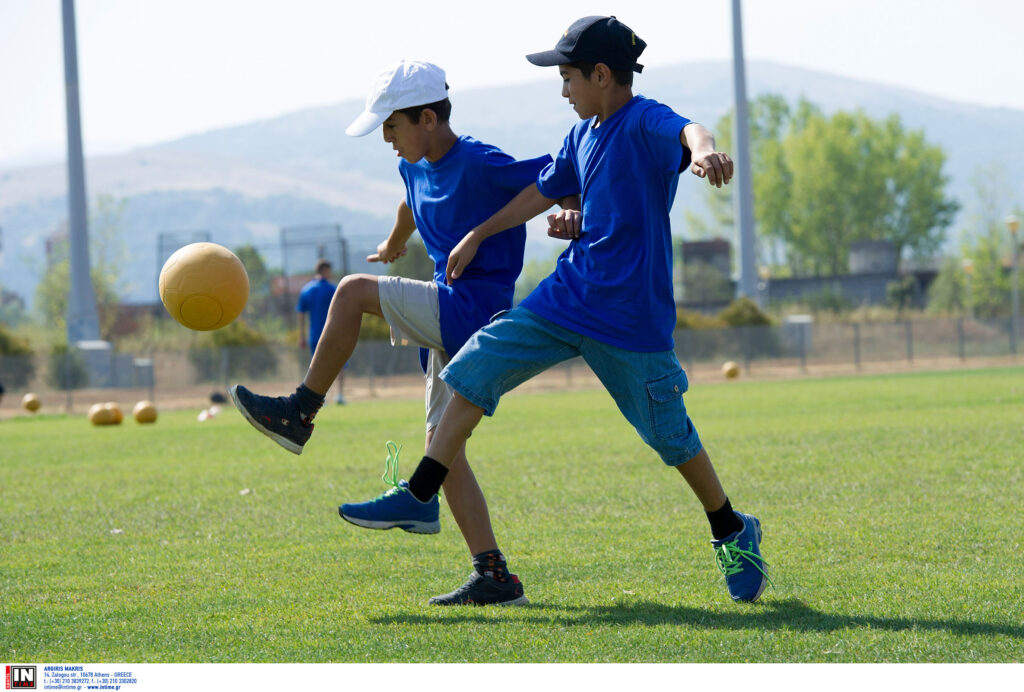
308, 401
724, 521
426, 480
492, 562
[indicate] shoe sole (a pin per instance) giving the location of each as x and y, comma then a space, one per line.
279, 439
412, 527
522, 600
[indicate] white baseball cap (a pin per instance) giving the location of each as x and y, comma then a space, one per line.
407, 84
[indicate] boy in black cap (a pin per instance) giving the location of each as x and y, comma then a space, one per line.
610, 298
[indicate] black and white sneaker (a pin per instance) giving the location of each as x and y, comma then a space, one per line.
484, 590
276, 417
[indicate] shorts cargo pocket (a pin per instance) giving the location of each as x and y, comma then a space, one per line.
665, 405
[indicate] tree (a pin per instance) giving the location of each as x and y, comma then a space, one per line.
106, 255
981, 281
823, 182
260, 298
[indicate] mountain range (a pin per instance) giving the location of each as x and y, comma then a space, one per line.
243, 183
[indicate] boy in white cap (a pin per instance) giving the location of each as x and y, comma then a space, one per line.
452, 183
609, 299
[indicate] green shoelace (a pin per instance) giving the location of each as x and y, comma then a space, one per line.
391, 465
729, 557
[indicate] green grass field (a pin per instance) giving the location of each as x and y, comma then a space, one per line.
891, 509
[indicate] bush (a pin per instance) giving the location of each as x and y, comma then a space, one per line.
901, 294
691, 319
743, 312
16, 365
237, 350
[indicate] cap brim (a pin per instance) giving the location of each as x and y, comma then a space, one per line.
366, 123
549, 58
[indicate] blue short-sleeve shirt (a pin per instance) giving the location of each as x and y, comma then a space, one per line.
315, 299
450, 196
614, 283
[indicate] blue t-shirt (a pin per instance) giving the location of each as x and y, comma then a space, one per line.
315, 299
614, 283
449, 197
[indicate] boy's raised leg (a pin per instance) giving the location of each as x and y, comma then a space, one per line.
289, 420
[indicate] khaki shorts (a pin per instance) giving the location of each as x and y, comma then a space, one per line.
412, 311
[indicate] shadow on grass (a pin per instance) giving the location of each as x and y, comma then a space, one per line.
791, 614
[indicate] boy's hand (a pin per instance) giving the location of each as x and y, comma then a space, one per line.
386, 254
460, 257
713, 165
565, 225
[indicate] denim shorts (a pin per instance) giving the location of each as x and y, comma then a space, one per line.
647, 387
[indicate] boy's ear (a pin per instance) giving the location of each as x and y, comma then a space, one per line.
429, 119
602, 75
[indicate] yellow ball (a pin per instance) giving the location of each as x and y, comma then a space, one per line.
204, 286
31, 402
116, 415
144, 412
731, 370
99, 414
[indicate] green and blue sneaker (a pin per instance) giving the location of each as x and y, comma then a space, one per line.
397, 508
739, 558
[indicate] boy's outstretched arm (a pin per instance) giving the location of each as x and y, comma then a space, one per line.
707, 163
395, 245
523, 207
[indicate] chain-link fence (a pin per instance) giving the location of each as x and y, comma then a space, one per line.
73, 380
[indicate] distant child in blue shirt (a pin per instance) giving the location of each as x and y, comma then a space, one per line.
449, 181
315, 301
610, 297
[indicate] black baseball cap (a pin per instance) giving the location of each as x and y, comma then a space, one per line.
595, 39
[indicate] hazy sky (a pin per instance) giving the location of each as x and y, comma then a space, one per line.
152, 70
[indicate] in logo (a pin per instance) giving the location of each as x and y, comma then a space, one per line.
21, 677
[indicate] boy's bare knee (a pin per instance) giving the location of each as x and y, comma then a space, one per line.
359, 290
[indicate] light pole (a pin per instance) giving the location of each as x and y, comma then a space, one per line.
1013, 223
744, 195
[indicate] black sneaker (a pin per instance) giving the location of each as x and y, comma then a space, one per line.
276, 417
482, 590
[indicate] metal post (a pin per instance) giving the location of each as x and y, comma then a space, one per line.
747, 356
961, 347
803, 347
82, 319
744, 197
910, 340
1013, 223
856, 345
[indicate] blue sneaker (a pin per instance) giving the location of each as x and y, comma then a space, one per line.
276, 417
739, 558
395, 508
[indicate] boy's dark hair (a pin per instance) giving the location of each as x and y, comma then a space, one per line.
321, 265
442, 108
621, 77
